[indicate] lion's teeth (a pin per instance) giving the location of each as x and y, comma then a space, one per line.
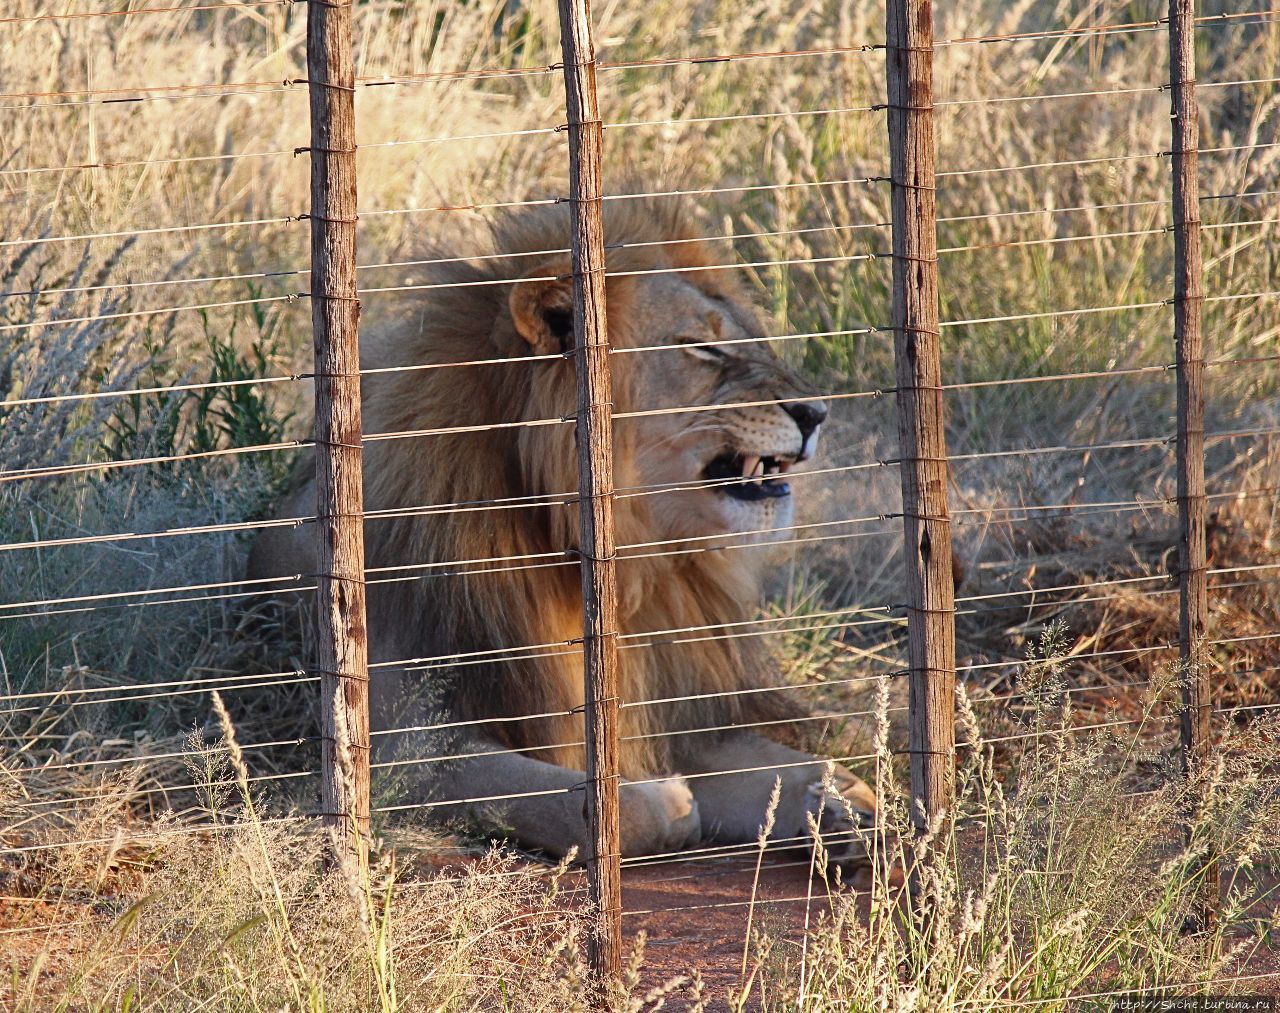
784, 466
749, 466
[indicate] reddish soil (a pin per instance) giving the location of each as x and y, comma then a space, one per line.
694, 915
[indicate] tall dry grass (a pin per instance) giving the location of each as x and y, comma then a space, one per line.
1062, 874
245, 917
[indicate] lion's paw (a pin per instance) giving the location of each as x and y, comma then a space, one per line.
659, 816
846, 820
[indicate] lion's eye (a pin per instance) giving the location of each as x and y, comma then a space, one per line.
703, 350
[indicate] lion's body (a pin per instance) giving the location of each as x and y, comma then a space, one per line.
474, 591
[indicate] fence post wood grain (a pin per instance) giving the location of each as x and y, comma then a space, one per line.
342, 648
1188, 299
595, 492
923, 458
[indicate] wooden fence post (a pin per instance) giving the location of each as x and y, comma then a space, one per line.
595, 491
1188, 298
923, 462
343, 654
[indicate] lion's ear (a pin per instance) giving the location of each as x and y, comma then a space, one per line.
542, 311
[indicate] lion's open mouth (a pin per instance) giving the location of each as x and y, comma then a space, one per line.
749, 477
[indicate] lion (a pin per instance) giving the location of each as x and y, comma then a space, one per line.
474, 597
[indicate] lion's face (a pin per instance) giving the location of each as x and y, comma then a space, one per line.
685, 343
727, 466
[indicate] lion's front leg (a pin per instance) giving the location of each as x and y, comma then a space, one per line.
543, 806
739, 774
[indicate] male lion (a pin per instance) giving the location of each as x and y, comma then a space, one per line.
472, 528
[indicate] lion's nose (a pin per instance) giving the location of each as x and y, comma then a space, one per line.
808, 416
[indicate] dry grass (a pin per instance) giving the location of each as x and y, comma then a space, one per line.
1010, 265
1057, 878
1064, 873
243, 917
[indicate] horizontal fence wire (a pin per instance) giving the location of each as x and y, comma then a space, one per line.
698, 775
849, 258
288, 582
160, 832
707, 853
39, 240
1133, 26
65, 699
687, 856
514, 280
565, 497
822, 684
683, 857
715, 853
103, 165
1044, 314
243, 588
143, 759
216, 90
487, 283
125, 12
531, 279
728, 853
966, 515
699, 240
420, 367
819, 717
114, 465
237, 588
173, 755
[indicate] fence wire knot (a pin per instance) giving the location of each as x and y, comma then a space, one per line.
334, 298
579, 554
303, 149
308, 217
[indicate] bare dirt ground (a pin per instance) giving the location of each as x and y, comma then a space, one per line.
694, 916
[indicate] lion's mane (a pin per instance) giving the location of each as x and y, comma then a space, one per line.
504, 493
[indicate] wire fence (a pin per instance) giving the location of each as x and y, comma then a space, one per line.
569, 610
